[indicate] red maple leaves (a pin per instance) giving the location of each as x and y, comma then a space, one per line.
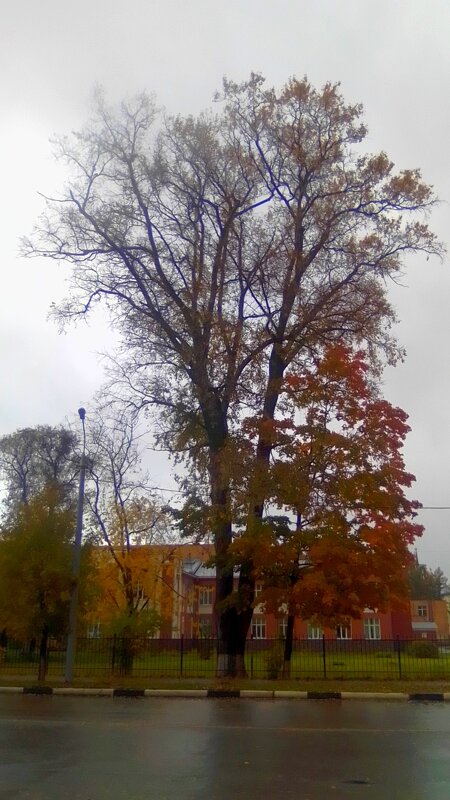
338, 525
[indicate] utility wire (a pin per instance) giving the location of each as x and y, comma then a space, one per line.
422, 508
163, 489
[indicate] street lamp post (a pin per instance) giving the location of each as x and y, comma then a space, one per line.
72, 636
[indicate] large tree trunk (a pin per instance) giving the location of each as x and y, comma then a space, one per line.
216, 428
257, 498
233, 609
246, 596
288, 646
235, 614
43, 654
227, 645
126, 655
226, 632
231, 651
234, 622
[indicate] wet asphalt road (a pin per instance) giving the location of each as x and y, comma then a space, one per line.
55, 748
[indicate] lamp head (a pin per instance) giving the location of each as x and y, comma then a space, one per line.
82, 413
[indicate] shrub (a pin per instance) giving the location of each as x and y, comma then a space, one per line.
423, 649
205, 647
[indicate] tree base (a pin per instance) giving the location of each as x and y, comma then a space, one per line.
231, 666
286, 672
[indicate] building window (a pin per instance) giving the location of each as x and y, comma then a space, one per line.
282, 627
343, 632
422, 611
258, 588
93, 631
314, 632
258, 628
205, 597
372, 628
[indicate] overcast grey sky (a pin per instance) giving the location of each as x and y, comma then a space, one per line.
393, 55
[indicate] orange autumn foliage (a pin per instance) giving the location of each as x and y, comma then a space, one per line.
338, 527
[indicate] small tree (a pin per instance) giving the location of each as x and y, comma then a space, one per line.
427, 584
341, 539
35, 572
126, 517
33, 458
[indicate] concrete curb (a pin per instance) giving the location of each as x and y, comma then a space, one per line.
128, 692
268, 694
375, 696
73, 691
433, 697
176, 693
324, 695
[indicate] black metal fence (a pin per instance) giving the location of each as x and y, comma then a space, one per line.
142, 657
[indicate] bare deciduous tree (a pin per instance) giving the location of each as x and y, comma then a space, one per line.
125, 516
228, 247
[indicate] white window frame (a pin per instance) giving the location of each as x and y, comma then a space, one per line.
259, 627
372, 628
94, 630
205, 596
282, 627
314, 631
343, 632
422, 611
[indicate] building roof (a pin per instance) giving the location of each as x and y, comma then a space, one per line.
194, 566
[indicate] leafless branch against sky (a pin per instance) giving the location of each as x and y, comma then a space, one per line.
393, 57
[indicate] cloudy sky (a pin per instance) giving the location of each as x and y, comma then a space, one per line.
393, 55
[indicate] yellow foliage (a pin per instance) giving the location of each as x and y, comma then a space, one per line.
142, 578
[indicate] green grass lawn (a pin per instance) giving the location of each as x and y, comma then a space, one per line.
97, 663
352, 665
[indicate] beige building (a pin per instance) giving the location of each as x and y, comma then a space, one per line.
430, 619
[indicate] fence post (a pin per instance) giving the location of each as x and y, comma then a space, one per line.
399, 656
324, 656
113, 655
181, 654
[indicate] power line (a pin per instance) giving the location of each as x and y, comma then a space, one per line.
434, 508
162, 489
422, 508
